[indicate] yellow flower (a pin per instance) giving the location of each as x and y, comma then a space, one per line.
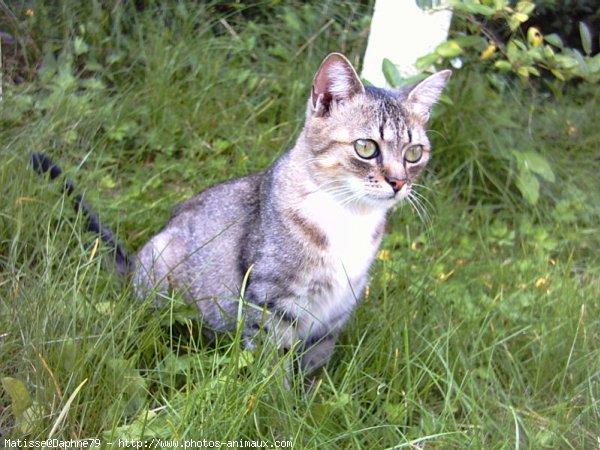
489, 51
444, 276
29, 12
535, 37
417, 246
384, 255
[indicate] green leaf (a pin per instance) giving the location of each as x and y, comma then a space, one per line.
104, 308
503, 65
64, 80
558, 74
529, 186
548, 53
395, 412
121, 130
148, 424
516, 20
281, 52
554, 39
426, 61
292, 21
586, 38
245, 359
474, 8
594, 63
115, 57
512, 52
478, 42
27, 413
449, 49
525, 7
523, 72
19, 396
539, 165
520, 17
131, 383
92, 84
520, 45
79, 46
32, 415
342, 399
390, 72
566, 61
107, 182
412, 80
68, 354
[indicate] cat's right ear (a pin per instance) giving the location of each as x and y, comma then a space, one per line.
424, 95
336, 80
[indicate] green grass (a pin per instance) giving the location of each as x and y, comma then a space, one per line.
481, 327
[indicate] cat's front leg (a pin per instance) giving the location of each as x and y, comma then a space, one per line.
316, 355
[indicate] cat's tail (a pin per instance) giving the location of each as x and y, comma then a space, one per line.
42, 164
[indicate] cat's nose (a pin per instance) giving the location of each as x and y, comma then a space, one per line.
395, 183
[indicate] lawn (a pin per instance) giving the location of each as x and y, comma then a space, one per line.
480, 327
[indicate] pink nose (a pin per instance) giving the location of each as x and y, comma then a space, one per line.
395, 183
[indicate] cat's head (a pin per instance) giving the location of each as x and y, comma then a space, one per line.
366, 145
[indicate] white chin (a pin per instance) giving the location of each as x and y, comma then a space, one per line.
386, 201
402, 193
396, 196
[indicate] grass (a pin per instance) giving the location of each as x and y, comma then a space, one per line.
480, 328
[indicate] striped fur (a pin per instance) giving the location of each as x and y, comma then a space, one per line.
307, 229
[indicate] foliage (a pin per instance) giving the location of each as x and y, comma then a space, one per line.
564, 17
480, 325
475, 43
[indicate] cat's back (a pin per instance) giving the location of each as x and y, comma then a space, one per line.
203, 235
225, 200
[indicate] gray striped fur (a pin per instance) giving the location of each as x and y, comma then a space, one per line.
307, 229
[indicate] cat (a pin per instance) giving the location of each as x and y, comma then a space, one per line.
288, 250
305, 231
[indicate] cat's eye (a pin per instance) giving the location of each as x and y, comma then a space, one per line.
366, 148
413, 153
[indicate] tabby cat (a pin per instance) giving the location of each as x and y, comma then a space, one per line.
298, 239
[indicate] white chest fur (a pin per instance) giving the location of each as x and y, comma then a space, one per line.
349, 233
351, 245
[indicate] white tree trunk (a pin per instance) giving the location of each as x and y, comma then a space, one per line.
402, 32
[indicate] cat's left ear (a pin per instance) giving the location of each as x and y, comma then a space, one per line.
336, 80
424, 95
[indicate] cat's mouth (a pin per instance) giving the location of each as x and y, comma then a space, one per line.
368, 194
391, 193
385, 198
403, 192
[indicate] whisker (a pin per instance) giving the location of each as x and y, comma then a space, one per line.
353, 198
320, 188
338, 191
420, 210
413, 203
422, 186
423, 199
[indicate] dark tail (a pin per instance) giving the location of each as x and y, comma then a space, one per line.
44, 165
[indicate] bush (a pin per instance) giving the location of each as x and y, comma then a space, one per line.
499, 40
